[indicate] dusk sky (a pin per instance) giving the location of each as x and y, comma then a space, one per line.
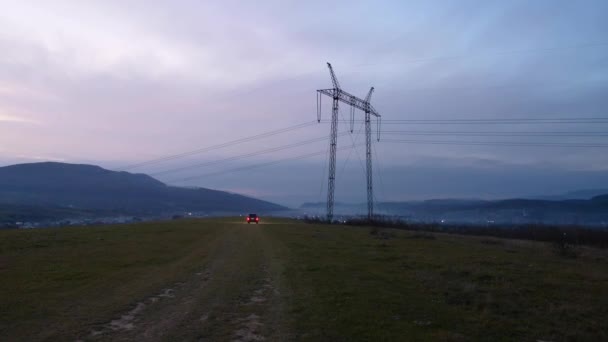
114, 83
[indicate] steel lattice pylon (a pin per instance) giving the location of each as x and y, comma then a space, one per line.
338, 95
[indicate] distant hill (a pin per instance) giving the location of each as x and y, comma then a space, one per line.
92, 188
572, 211
433, 204
466, 204
11, 213
578, 194
603, 199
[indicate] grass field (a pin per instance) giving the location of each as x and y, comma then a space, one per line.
283, 280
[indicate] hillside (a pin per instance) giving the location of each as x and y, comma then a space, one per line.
282, 280
92, 188
571, 195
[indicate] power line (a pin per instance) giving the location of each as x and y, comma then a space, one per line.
323, 173
502, 134
351, 152
501, 120
481, 86
489, 122
246, 155
497, 119
505, 132
494, 143
498, 123
255, 166
353, 142
218, 146
493, 120
378, 172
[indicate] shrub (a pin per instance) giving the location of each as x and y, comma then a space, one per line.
564, 247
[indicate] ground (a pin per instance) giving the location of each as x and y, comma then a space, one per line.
223, 280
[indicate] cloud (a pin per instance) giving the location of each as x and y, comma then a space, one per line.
40, 158
126, 81
18, 119
216, 47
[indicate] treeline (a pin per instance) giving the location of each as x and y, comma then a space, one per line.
561, 235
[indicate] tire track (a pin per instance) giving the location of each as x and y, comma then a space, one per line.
231, 298
250, 327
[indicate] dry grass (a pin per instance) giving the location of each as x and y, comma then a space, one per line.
290, 281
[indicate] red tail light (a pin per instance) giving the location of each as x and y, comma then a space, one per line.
257, 219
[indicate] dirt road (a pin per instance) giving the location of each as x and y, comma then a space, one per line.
236, 294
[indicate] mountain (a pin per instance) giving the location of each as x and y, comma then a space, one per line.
92, 188
592, 211
433, 204
578, 194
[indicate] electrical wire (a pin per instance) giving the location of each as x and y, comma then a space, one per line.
218, 146
494, 143
529, 121
323, 173
353, 142
246, 155
379, 172
255, 166
351, 152
502, 134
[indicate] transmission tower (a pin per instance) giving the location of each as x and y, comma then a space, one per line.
338, 95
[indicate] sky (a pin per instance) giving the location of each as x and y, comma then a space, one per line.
116, 83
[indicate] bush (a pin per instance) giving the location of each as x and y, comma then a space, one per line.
564, 247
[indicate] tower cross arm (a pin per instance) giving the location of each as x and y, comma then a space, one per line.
349, 99
373, 111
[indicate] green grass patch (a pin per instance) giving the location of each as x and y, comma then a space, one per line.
73, 278
329, 283
349, 285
